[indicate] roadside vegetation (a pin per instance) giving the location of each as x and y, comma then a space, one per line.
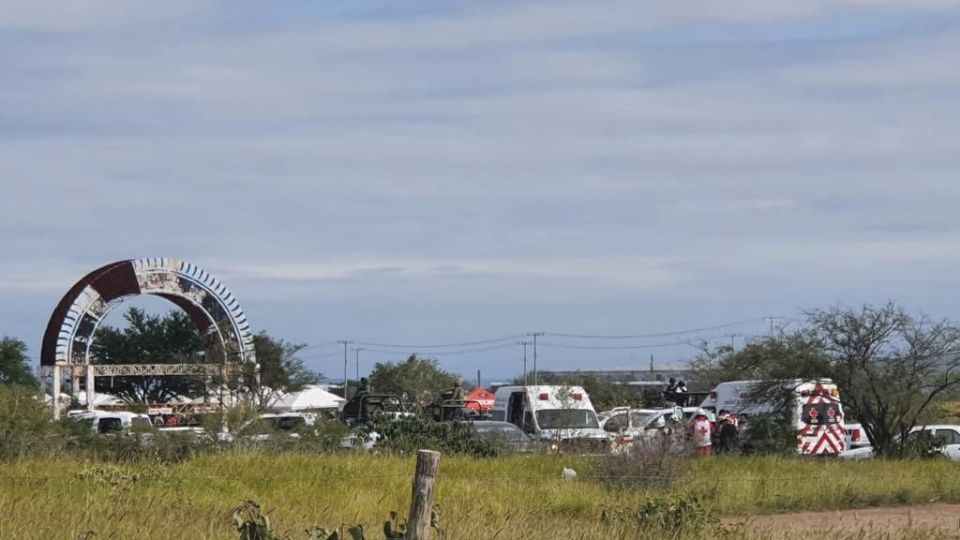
506, 497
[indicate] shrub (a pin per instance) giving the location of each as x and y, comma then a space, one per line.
653, 464
407, 435
26, 424
769, 434
670, 517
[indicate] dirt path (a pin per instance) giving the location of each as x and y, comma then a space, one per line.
929, 516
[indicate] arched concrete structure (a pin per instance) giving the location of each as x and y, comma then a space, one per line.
211, 307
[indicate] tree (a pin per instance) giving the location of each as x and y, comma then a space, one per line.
893, 369
14, 363
793, 356
415, 377
280, 370
149, 339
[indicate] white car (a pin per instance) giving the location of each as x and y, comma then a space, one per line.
627, 426
855, 436
950, 434
112, 421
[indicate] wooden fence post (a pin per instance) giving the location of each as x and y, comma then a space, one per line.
421, 506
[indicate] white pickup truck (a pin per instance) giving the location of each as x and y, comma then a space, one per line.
949, 434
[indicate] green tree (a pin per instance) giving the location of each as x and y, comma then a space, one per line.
149, 339
894, 369
280, 370
775, 364
415, 377
798, 355
14, 363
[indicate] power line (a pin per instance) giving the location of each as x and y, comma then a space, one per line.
324, 344
688, 342
443, 345
659, 334
319, 355
445, 353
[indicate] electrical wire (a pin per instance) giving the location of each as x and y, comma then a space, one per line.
513, 337
661, 334
446, 353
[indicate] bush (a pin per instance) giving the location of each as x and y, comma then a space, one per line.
407, 435
675, 517
26, 424
768, 434
654, 464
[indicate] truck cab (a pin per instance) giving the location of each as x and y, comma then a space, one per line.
562, 415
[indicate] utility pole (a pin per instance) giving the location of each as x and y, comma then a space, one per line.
733, 346
536, 374
524, 343
345, 343
357, 351
771, 319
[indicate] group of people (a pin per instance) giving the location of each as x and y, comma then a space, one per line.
723, 434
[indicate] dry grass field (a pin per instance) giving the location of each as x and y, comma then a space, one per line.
510, 497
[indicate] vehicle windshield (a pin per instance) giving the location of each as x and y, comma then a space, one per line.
567, 419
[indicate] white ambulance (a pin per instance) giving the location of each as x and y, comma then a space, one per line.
562, 415
815, 410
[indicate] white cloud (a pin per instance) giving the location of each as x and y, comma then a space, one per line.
525, 156
73, 15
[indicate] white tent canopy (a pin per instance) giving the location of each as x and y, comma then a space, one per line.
310, 398
99, 399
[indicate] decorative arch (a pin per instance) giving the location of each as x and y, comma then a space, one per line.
211, 307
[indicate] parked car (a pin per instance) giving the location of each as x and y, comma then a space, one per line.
510, 435
113, 421
948, 435
856, 436
626, 425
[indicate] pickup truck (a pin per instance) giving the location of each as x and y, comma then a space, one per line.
948, 434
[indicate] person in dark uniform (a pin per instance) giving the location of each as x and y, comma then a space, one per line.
727, 432
457, 393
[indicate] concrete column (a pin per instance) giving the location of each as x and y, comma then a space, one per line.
56, 392
90, 388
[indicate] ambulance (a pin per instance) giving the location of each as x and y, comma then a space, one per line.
815, 411
560, 415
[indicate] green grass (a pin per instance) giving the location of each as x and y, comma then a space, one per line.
509, 498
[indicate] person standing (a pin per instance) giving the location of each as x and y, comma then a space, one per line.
726, 432
701, 434
681, 394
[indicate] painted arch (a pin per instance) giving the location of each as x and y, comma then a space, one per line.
211, 307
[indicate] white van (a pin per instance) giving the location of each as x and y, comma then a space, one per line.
112, 421
561, 414
815, 410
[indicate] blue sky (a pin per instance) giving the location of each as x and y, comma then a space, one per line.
441, 172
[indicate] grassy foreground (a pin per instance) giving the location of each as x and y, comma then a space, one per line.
513, 497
